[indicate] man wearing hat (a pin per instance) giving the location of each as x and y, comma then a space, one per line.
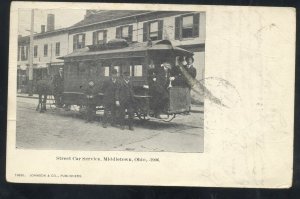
110, 99
90, 101
126, 97
191, 70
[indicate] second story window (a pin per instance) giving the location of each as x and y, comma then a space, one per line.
100, 37
153, 30
124, 32
45, 50
35, 51
57, 48
78, 41
187, 26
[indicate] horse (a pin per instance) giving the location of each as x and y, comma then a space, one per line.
44, 87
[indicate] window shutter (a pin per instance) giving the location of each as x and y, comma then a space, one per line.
94, 38
160, 29
83, 41
145, 31
74, 42
118, 32
104, 36
178, 28
196, 25
130, 31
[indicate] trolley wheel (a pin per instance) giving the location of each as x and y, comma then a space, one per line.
142, 116
169, 118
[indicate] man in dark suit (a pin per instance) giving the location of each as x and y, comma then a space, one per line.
90, 101
126, 97
110, 99
158, 79
58, 87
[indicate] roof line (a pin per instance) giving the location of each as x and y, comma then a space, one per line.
71, 28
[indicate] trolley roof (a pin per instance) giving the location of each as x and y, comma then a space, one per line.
129, 50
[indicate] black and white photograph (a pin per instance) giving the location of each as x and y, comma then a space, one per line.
151, 94
110, 80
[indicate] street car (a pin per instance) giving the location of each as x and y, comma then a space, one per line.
95, 63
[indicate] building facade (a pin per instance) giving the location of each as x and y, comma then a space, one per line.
183, 29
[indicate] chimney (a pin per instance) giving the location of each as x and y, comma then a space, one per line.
50, 22
43, 28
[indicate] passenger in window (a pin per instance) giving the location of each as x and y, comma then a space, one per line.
110, 99
126, 97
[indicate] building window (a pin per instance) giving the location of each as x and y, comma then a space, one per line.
78, 41
153, 30
24, 53
45, 50
35, 51
187, 26
99, 37
57, 48
124, 32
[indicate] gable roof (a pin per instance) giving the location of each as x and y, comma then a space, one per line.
107, 16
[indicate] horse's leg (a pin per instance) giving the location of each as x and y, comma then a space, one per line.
40, 100
44, 102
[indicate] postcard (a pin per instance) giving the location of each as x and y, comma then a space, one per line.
151, 94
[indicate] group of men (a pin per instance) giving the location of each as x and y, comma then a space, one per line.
163, 76
117, 100
118, 94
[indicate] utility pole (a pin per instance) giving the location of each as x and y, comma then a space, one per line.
30, 83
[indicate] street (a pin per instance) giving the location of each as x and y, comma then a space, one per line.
58, 129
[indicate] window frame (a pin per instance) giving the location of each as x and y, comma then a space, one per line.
190, 28
76, 42
195, 29
156, 32
46, 50
96, 38
147, 30
35, 51
57, 48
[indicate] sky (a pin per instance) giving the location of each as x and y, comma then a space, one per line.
63, 18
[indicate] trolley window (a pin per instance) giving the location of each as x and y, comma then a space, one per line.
118, 68
137, 70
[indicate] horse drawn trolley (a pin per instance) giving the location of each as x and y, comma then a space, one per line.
96, 62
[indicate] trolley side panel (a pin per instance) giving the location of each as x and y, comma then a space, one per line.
179, 100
